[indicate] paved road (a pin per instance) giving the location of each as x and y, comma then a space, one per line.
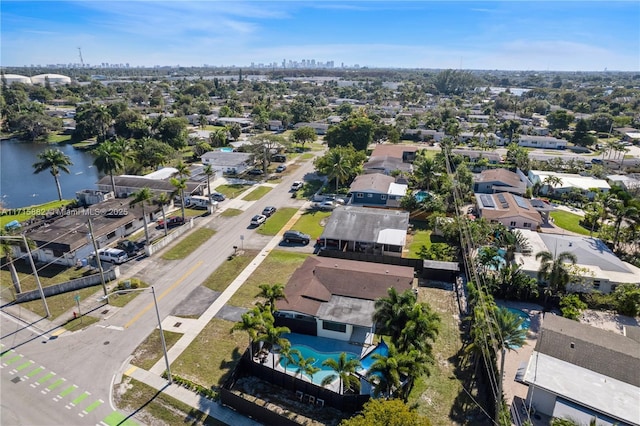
88, 359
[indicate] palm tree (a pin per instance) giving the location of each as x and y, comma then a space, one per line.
551, 182
553, 270
163, 200
419, 330
391, 312
109, 159
253, 323
622, 213
272, 293
510, 336
208, 171
341, 169
385, 373
55, 161
182, 170
6, 250
424, 171
289, 355
102, 119
344, 368
143, 197
272, 336
180, 184
304, 365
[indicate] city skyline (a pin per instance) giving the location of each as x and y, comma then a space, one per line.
505, 35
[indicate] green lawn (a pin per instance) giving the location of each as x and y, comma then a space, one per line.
220, 279
257, 193
57, 138
275, 223
150, 350
185, 247
312, 223
417, 240
231, 212
146, 401
213, 355
23, 213
62, 303
568, 221
231, 191
277, 268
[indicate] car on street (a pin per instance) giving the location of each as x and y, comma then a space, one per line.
216, 196
325, 205
171, 222
268, 211
281, 168
258, 220
255, 172
297, 185
293, 236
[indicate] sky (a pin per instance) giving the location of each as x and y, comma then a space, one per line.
537, 35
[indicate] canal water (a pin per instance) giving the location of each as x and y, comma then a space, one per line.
20, 187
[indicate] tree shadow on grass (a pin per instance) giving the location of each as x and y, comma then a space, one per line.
228, 366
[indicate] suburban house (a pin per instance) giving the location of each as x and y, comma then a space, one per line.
128, 184
362, 229
406, 153
586, 184
335, 298
423, 134
386, 165
629, 183
275, 125
319, 128
584, 373
473, 155
544, 142
510, 210
228, 162
65, 239
603, 269
243, 122
500, 180
376, 190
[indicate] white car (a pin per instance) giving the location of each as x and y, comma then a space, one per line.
258, 220
297, 185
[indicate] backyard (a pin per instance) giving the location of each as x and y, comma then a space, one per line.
569, 221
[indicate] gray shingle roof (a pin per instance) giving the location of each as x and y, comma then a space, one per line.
350, 223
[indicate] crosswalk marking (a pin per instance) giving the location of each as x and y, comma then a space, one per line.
33, 372
22, 366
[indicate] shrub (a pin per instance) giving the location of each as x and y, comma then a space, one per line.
627, 299
571, 306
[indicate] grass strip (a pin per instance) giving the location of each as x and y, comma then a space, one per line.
277, 221
150, 350
185, 247
257, 193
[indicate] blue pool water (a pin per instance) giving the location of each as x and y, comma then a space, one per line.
525, 316
226, 149
367, 361
320, 357
420, 196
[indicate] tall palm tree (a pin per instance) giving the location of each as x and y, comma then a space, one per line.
272, 337
6, 250
272, 293
55, 161
143, 197
622, 213
341, 169
254, 323
385, 374
551, 182
344, 369
163, 199
510, 335
420, 329
180, 184
208, 171
424, 171
391, 312
553, 271
109, 159
289, 355
304, 365
102, 119
182, 170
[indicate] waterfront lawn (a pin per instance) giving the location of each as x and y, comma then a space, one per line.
213, 355
276, 222
569, 221
150, 350
24, 213
257, 193
220, 279
277, 268
186, 246
155, 407
312, 223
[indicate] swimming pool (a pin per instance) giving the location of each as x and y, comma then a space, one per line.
367, 361
525, 316
420, 196
226, 149
320, 357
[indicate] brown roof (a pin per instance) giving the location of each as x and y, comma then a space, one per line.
512, 210
602, 351
393, 150
372, 182
319, 278
500, 175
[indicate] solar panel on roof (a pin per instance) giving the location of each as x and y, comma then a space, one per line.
503, 201
487, 201
521, 202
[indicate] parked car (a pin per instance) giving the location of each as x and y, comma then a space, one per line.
297, 185
292, 236
268, 211
132, 249
171, 222
258, 220
279, 158
326, 205
281, 168
113, 255
216, 196
255, 172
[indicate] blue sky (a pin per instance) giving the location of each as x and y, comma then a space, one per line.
509, 35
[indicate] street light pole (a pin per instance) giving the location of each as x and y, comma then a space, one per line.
95, 250
155, 303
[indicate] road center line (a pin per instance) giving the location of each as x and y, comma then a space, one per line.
173, 286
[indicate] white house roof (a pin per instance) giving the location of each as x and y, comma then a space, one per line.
394, 237
570, 180
162, 174
397, 189
591, 253
586, 387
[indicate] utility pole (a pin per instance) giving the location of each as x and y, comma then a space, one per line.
35, 274
95, 250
